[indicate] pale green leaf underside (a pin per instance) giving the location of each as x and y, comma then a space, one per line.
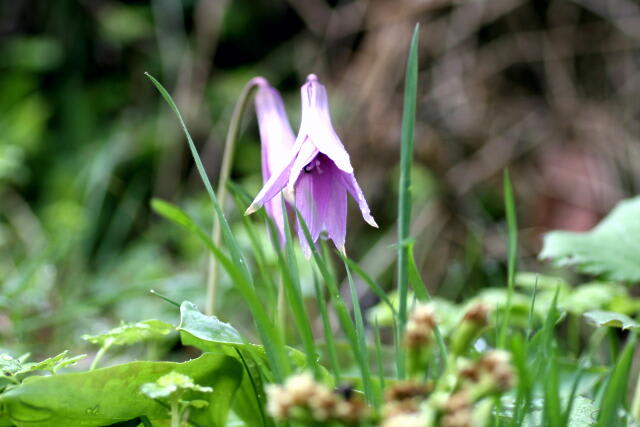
611, 319
611, 249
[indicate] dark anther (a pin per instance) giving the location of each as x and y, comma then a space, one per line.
345, 390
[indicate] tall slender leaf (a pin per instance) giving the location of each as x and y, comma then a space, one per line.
616, 389
341, 310
404, 200
271, 339
510, 208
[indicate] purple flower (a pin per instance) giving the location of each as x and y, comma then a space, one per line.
277, 139
317, 173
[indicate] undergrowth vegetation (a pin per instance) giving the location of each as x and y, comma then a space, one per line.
511, 355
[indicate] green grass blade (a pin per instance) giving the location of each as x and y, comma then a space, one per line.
404, 201
524, 389
291, 281
357, 313
272, 341
328, 333
341, 310
229, 239
552, 407
616, 390
415, 280
258, 251
512, 227
375, 287
422, 294
379, 359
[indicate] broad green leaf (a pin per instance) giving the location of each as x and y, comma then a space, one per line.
210, 334
271, 339
611, 249
609, 318
111, 395
591, 296
206, 328
130, 333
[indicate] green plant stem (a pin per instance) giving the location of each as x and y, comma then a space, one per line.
175, 414
213, 271
404, 201
282, 310
98, 356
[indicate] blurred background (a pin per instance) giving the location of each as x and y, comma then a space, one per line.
547, 89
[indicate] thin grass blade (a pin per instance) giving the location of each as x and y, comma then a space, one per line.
404, 201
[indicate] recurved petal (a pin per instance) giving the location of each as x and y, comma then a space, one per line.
307, 153
271, 188
277, 181
350, 183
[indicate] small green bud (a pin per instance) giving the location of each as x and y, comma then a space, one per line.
473, 322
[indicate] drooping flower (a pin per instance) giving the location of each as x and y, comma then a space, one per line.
276, 138
317, 173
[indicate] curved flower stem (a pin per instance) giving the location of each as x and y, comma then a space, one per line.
225, 170
98, 356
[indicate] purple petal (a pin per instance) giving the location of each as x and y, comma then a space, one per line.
277, 139
276, 135
321, 199
316, 123
271, 188
306, 206
307, 153
331, 197
350, 183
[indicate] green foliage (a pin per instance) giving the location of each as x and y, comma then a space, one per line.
611, 249
12, 368
130, 333
83, 218
181, 394
404, 191
111, 395
611, 319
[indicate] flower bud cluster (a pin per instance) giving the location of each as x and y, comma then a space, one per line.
403, 398
463, 395
301, 398
458, 410
496, 366
414, 419
473, 322
419, 329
